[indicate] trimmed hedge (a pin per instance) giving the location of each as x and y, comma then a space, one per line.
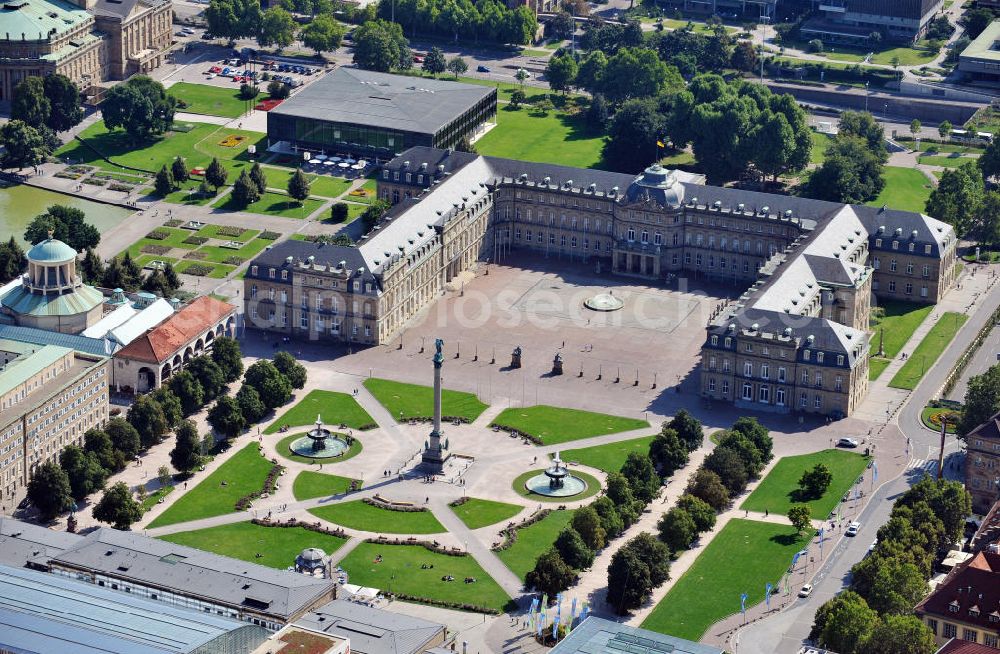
510, 533
270, 483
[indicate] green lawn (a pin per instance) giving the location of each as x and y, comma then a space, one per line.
175, 239
243, 474
741, 558
905, 188
210, 100
400, 571
779, 489
197, 146
593, 487
930, 348
892, 331
335, 409
309, 484
610, 457
272, 203
925, 417
476, 513
277, 546
533, 541
414, 401
555, 138
326, 186
218, 254
153, 498
365, 517
907, 56
187, 194
284, 449
946, 160
555, 425
820, 142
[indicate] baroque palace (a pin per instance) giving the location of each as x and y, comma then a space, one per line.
796, 340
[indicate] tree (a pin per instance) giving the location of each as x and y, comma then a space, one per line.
209, 375
814, 482
251, 406
245, 191
380, 45
597, 112
273, 387
976, 20
677, 529
847, 622
618, 490
124, 437
23, 145
122, 273
163, 475
587, 523
688, 429
517, 98
225, 416
699, 510
278, 90
958, 197
948, 500
636, 569
322, 34
298, 186
707, 486
915, 128
170, 404
642, 476
164, 183
146, 416
730, 467
561, 72
277, 27
757, 434
258, 177
863, 125
179, 169
774, 142
897, 587
562, 24
186, 454
590, 75
944, 129
434, 62
13, 261
292, 370
989, 162
457, 66
667, 451
227, 355
339, 212
635, 128
216, 174
187, 389
638, 73
29, 103
374, 213
84, 470
986, 224
900, 634
551, 575
800, 516
611, 520
233, 19
49, 490
67, 224
140, 106
118, 508
982, 400
744, 56
850, 173
64, 100
573, 550
97, 443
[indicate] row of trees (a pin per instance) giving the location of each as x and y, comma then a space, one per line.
875, 615
12, 260
628, 73
238, 19
266, 386
40, 107
435, 63
489, 20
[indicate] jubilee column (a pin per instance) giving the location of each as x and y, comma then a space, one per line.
434, 456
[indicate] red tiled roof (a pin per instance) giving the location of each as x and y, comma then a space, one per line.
956, 646
970, 594
160, 343
989, 429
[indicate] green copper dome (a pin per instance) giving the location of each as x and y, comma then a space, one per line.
51, 251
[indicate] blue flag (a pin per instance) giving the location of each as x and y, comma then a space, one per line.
555, 627
874, 471
795, 559
821, 531
743, 603
767, 594
572, 613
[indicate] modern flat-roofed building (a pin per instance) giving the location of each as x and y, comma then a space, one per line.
853, 21
49, 396
27, 545
45, 614
599, 636
980, 61
373, 631
376, 115
183, 576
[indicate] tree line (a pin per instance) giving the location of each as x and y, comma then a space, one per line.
40, 107
487, 20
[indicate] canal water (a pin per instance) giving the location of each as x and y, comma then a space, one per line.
20, 204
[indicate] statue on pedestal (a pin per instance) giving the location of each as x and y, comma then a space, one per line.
515, 357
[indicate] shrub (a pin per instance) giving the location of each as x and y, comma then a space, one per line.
198, 270
158, 250
268, 235
158, 234
196, 240
229, 230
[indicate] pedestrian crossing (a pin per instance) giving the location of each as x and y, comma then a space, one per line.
930, 465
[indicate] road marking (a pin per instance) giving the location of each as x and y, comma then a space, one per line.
924, 464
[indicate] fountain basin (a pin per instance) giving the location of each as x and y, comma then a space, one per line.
604, 302
332, 445
542, 485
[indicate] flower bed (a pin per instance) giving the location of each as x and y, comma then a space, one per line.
232, 141
268, 235
229, 230
196, 240
311, 526
158, 250
158, 235
198, 270
233, 261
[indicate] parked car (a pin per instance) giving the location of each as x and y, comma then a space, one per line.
210, 76
853, 528
417, 59
806, 590
215, 69
847, 442
482, 69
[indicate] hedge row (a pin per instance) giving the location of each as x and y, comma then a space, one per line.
270, 484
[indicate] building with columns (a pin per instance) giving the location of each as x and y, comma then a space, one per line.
796, 340
88, 41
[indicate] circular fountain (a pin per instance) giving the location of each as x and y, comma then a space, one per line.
556, 481
604, 302
320, 443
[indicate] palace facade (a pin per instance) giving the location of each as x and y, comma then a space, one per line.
797, 340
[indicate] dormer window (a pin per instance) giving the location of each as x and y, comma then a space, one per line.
974, 612
805, 355
284, 274
953, 606
270, 273
994, 617
927, 249
253, 270
819, 357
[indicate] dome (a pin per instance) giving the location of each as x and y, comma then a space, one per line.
51, 251
312, 555
656, 184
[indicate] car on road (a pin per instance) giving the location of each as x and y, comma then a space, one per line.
417, 59
871, 548
847, 442
482, 69
215, 69
853, 528
806, 590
